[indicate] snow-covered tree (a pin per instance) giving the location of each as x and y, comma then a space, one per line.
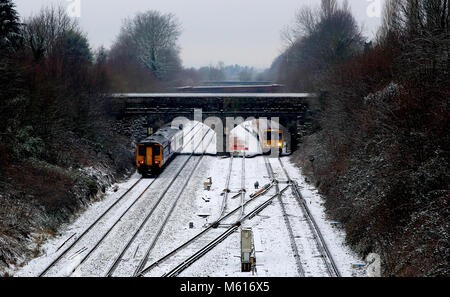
45, 31
9, 24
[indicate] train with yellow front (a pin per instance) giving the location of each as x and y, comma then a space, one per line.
157, 150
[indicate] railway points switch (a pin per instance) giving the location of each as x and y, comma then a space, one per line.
261, 191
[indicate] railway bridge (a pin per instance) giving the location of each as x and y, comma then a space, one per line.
220, 111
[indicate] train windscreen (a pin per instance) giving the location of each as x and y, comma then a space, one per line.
141, 150
269, 135
156, 150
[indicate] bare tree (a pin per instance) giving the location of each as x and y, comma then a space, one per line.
319, 39
329, 7
411, 18
390, 24
151, 39
42, 32
305, 23
307, 20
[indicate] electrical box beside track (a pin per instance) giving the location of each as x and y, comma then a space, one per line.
247, 250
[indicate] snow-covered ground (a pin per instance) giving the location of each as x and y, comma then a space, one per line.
190, 214
274, 255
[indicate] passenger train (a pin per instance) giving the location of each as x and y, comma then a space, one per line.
272, 139
157, 150
275, 139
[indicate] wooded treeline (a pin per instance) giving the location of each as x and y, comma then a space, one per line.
380, 151
50, 87
58, 145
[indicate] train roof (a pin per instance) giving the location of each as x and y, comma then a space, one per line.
161, 136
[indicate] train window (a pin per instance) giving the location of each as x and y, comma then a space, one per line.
269, 135
141, 150
156, 150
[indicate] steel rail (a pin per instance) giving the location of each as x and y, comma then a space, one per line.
294, 247
147, 217
213, 225
321, 243
188, 262
265, 204
122, 215
111, 228
101, 216
87, 229
192, 259
227, 189
144, 260
242, 186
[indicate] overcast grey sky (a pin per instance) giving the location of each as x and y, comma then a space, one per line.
245, 32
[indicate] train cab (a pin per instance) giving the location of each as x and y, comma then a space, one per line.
154, 152
149, 157
272, 139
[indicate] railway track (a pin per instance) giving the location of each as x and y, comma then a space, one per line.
213, 243
217, 239
226, 191
193, 239
294, 247
242, 186
211, 235
327, 257
65, 251
143, 261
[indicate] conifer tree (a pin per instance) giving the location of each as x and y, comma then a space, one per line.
9, 25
